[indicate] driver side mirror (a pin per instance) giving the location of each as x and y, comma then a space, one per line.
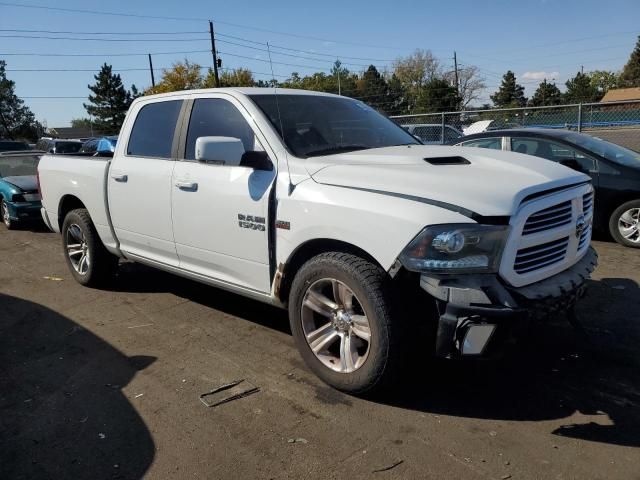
219, 150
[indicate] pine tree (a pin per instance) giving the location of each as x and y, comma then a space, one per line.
16, 119
372, 88
631, 72
580, 90
109, 102
546, 94
510, 93
438, 95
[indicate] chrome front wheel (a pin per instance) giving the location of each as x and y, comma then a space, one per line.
335, 325
4, 211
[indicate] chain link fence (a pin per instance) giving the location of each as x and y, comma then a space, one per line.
617, 122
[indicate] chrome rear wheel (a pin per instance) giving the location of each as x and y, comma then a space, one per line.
77, 249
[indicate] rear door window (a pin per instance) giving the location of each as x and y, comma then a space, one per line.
152, 132
494, 143
555, 151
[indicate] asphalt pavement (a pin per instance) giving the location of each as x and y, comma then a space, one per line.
106, 383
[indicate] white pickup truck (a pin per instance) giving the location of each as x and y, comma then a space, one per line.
319, 204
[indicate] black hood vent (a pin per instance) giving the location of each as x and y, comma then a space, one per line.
447, 161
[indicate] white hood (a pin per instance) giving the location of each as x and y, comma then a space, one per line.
494, 183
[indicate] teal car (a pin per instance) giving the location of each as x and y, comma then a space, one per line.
19, 195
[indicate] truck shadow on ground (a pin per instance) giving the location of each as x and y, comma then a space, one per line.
62, 411
588, 377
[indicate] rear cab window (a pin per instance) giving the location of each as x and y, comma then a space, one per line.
153, 130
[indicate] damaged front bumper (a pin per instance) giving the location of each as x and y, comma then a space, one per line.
480, 312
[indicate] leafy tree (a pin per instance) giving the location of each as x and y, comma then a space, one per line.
546, 94
81, 123
181, 76
580, 89
372, 88
414, 72
438, 95
16, 119
109, 102
510, 93
604, 80
470, 84
239, 77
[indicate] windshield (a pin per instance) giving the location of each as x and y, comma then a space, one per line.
68, 147
321, 125
18, 165
605, 149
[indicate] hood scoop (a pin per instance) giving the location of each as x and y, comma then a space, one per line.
447, 161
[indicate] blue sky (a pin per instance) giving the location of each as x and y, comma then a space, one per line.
536, 39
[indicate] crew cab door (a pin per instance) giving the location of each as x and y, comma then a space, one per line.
220, 212
139, 182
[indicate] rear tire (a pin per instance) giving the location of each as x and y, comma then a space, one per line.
88, 260
337, 301
4, 214
624, 224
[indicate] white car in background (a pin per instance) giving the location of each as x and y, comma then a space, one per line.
431, 133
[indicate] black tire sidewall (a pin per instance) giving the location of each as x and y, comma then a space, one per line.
371, 373
613, 223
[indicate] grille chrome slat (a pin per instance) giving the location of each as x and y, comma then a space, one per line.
549, 218
540, 256
537, 254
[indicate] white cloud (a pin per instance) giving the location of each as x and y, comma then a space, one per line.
540, 75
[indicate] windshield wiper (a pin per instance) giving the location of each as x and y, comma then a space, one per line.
336, 149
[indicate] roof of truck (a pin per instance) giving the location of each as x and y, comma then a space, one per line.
242, 90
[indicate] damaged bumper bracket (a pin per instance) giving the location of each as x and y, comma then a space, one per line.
473, 307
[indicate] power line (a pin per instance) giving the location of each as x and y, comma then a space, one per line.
192, 19
99, 33
30, 54
88, 39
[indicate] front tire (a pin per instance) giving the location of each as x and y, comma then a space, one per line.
340, 315
4, 213
88, 260
624, 224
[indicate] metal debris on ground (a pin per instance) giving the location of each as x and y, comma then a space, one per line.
298, 440
388, 467
228, 392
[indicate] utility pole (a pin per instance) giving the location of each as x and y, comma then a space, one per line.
338, 73
455, 66
215, 55
153, 79
582, 69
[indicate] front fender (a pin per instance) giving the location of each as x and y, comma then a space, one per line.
379, 225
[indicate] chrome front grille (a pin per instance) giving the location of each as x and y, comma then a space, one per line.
540, 256
550, 233
587, 204
549, 218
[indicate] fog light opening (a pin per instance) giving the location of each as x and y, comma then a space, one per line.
477, 338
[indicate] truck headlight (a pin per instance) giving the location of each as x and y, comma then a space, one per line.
456, 248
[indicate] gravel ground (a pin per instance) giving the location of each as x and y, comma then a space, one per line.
105, 384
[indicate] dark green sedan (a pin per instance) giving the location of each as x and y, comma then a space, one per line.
19, 196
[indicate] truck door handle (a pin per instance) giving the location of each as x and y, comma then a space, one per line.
118, 177
187, 186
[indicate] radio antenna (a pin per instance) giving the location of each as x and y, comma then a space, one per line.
275, 92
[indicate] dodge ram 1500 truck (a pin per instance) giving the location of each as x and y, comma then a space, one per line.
319, 204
